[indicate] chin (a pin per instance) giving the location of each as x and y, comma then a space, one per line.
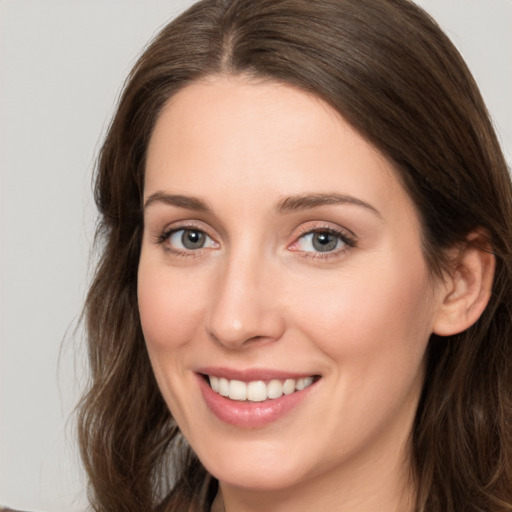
259, 479
270, 472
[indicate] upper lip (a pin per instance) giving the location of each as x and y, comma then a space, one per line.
252, 374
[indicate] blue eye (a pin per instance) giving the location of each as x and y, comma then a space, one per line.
190, 239
322, 241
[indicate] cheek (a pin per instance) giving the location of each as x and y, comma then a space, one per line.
374, 328
371, 316
169, 308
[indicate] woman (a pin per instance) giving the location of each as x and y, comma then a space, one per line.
302, 301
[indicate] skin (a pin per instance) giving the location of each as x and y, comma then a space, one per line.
258, 295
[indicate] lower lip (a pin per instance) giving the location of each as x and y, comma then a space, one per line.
250, 414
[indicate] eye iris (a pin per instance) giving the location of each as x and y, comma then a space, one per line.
324, 242
192, 239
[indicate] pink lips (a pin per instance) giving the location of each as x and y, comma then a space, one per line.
247, 414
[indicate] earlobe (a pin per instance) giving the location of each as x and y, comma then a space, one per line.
467, 287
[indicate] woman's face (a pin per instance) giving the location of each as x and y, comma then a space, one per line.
280, 252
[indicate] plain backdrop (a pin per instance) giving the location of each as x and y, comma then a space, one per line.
62, 64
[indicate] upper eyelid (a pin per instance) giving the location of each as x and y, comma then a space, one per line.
190, 228
346, 235
302, 230
163, 234
163, 240
188, 224
325, 226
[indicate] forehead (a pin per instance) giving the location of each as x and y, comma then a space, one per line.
261, 138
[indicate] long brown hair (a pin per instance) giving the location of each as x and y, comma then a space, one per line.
397, 79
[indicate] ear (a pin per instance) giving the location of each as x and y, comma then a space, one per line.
467, 286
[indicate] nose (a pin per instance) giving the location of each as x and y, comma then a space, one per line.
245, 305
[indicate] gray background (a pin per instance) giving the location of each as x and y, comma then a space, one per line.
62, 64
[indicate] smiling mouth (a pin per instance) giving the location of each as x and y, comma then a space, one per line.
258, 390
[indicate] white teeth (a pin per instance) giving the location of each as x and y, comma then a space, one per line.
214, 383
303, 383
289, 386
237, 390
274, 389
258, 390
224, 387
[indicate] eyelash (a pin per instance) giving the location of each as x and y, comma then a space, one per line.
168, 233
349, 241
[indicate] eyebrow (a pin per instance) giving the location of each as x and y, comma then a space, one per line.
309, 201
181, 201
285, 205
